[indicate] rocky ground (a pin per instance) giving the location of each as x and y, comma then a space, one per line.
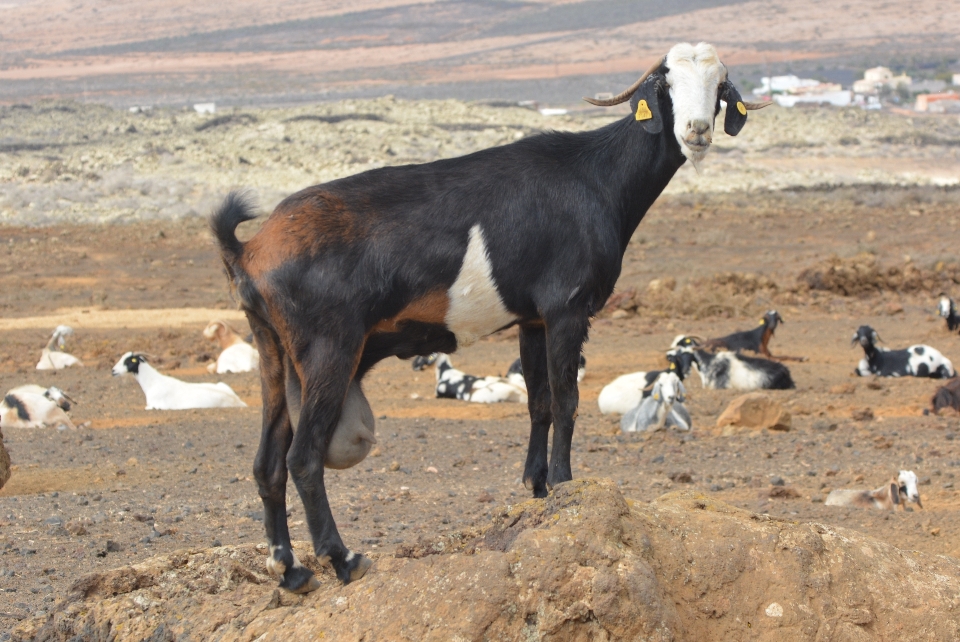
134, 484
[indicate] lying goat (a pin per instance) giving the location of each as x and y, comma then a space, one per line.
948, 310
915, 361
661, 408
896, 492
454, 384
755, 340
53, 357
167, 393
515, 372
33, 406
729, 370
624, 393
409, 260
237, 355
946, 396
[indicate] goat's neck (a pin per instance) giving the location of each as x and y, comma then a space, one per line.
633, 167
147, 376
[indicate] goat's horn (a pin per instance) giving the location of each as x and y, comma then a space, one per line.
627, 93
756, 106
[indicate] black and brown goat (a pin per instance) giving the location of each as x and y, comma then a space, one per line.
416, 259
756, 340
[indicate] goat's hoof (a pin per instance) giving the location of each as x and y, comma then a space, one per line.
354, 568
299, 579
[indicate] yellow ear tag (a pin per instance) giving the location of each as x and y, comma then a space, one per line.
656, 397
741, 108
643, 112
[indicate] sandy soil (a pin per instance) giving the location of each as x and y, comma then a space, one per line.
137, 483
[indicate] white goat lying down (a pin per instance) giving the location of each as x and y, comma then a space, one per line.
895, 492
34, 406
454, 384
237, 355
53, 357
661, 407
167, 393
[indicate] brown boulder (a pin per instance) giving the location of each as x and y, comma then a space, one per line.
582, 564
4, 463
753, 411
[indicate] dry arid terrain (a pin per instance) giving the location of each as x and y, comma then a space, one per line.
834, 218
247, 52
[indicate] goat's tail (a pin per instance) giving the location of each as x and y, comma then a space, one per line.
235, 210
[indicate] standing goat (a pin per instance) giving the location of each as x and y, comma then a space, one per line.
33, 406
915, 361
894, 493
948, 310
237, 355
661, 407
53, 357
410, 260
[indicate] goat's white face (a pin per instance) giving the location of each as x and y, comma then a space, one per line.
908, 482
668, 388
695, 73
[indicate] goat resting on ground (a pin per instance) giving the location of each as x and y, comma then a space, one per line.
415, 259
896, 492
915, 361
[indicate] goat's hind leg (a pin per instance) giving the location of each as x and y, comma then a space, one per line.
326, 371
533, 360
270, 465
565, 337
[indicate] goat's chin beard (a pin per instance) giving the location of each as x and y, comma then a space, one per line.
694, 156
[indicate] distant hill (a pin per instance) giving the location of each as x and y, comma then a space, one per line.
554, 51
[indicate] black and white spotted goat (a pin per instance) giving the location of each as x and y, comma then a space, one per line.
515, 372
661, 406
454, 384
414, 259
915, 361
948, 310
33, 406
728, 370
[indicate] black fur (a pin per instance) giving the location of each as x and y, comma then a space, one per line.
897, 363
716, 369
14, 401
751, 340
557, 211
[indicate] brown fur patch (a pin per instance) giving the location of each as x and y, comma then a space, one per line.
302, 224
431, 308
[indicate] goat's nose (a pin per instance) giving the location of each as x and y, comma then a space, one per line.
699, 127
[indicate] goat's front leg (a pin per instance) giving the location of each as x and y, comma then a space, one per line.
326, 370
533, 359
565, 339
270, 466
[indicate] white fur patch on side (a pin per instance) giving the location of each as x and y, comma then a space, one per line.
476, 308
744, 378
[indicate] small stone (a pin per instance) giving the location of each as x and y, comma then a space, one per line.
619, 314
432, 469
394, 466
935, 532
485, 498
113, 547
774, 610
132, 462
777, 481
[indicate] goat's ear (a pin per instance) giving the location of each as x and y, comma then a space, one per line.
895, 492
736, 116
645, 104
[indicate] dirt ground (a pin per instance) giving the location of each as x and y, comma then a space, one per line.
135, 483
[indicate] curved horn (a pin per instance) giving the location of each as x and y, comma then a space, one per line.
756, 106
625, 95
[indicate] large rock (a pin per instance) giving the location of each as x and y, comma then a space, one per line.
583, 564
753, 411
4, 463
